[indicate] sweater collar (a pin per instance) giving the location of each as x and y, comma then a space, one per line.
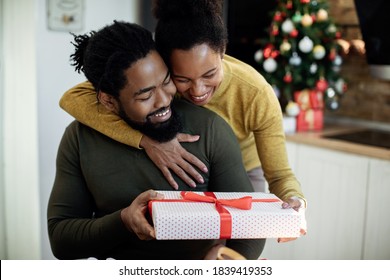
226, 76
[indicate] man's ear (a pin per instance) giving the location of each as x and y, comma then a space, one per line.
108, 101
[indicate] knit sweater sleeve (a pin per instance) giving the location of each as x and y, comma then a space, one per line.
267, 127
74, 233
81, 103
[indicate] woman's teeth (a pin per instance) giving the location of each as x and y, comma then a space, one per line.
198, 98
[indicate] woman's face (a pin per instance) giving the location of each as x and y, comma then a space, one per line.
197, 73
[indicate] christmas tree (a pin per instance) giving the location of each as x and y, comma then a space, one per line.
302, 55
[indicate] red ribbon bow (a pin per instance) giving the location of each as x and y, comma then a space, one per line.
244, 203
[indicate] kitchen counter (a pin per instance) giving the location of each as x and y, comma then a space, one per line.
316, 138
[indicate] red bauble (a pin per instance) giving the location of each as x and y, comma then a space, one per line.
322, 84
294, 33
287, 78
289, 5
275, 53
332, 54
275, 30
305, 1
267, 52
278, 16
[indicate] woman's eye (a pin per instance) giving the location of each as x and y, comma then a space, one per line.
210, 76
179, 80
167, 81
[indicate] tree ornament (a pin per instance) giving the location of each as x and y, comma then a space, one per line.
278, 16
306, 20
292, 109
285, 46
340, 86
268, 50
276, 90
258, 56
319, 52
322, 84
313, 17
305, 1
338, 60
297, 17
294, 33
305, 44
332, 28
289, 4
287, 26
332, 103
313, 68
275, 30
322, 15
336, 69
330, 92
287, 77
275, 54
332, 54
314, 3
270, 65
295, 59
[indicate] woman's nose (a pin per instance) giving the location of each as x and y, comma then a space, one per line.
197, 88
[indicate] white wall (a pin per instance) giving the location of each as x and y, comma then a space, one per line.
2, 204
52, 75
20, 141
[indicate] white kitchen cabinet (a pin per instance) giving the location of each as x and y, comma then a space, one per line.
335, 185
377, 234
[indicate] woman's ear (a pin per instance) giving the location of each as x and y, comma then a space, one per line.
108, 101
223, 53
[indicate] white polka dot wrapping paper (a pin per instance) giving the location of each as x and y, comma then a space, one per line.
176, 217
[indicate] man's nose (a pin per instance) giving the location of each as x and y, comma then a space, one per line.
163, 98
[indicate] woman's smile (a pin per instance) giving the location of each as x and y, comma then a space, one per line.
201, 98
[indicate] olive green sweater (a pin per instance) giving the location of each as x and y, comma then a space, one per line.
96, 177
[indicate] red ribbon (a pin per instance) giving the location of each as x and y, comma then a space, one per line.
244, 203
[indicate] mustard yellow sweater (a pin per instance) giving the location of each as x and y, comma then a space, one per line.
244, 99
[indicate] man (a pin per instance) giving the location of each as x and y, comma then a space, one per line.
98, 204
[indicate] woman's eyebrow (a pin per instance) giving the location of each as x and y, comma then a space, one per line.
206, 73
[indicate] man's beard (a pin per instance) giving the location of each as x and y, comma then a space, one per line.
160, 132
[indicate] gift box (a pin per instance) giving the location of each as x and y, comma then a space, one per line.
311, 114
311, 119
302, 98
309, 99
222, 215
316, 99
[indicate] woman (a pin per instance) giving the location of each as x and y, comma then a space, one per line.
191, 37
